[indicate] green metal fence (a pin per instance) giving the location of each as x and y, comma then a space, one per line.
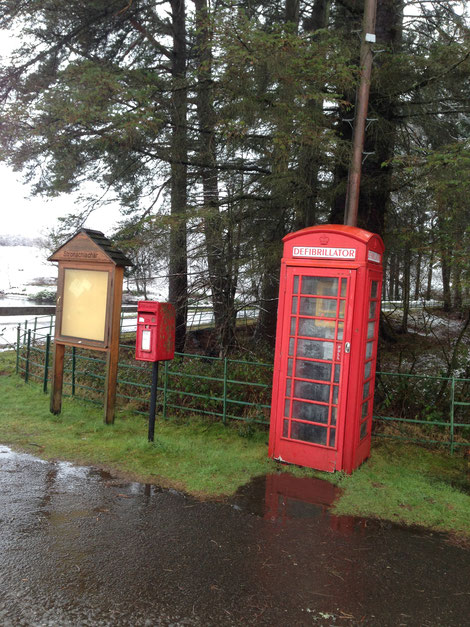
426, 409
225, 389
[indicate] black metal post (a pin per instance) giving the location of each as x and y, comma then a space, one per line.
153, 401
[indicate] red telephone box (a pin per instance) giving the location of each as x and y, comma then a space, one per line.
326, 347
155, 331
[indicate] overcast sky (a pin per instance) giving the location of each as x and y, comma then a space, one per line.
22, 214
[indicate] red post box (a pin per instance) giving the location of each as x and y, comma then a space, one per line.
155, 331
326, 347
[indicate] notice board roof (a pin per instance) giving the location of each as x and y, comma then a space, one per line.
90, 245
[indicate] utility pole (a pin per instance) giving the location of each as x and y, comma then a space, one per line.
362, 103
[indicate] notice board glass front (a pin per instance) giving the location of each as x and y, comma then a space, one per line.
84, 307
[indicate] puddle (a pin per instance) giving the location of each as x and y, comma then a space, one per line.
282, 498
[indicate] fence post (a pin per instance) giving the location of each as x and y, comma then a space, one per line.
46, 363
28, 350
35, 326
50, 324
18, 342
224, 417
452, 399
25, 331
74, 362
165, 388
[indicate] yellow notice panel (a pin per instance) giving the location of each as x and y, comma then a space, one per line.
84, 305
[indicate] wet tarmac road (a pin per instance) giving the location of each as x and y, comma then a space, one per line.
78, 547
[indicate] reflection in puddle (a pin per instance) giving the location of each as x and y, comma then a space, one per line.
282, 497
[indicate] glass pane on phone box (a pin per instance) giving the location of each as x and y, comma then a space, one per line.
366, 390
333, 415
344, 287
293, 322
312, 370
291, 346
320, 307
340, 330
310, 411
342, 307
337, 373
332, 437
294, 305
335, 394
317, 328
296, 284
370, 330
369, 347
365, 410
367, 369
312, 391
308, 433
363, 430
372, 310
315, 349
288, 387
286, 407
285, 429
373, 289
321, 286
289, 367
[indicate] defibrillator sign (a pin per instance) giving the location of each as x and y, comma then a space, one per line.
322, 252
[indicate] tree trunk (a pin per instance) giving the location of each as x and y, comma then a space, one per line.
457, 282
429, 279
309, 158
219, 260
276, 221
397, 294
380, 137
178, 261
406, 288
445, 265
417, 293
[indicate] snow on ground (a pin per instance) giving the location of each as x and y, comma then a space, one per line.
25, 271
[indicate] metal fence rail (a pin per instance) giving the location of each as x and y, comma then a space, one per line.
426, 409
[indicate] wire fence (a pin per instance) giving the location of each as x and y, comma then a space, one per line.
430, 410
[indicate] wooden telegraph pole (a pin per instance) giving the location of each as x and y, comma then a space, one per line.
362, 103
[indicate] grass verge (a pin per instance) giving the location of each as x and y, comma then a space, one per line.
401, 483
410, 485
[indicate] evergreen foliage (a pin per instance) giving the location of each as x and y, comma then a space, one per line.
220, 128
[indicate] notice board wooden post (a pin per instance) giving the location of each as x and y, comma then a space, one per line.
112, 359
57, 378
88, 308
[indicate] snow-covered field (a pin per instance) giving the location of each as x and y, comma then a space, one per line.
25, 271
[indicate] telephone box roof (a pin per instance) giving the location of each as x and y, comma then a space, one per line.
92, 239
351, 231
